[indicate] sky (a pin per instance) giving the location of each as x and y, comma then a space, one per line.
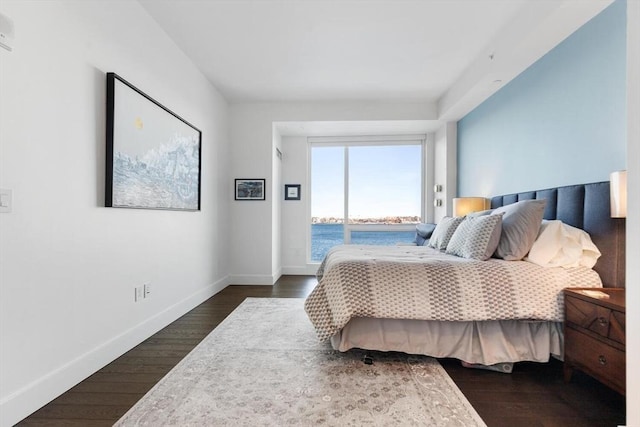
140, 125
384, 181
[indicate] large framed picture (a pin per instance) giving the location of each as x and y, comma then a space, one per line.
153, 155
250, 189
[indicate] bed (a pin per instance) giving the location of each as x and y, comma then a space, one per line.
421, 300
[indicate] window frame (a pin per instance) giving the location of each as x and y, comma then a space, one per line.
360, 141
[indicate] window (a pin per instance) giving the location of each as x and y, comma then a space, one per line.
365, 192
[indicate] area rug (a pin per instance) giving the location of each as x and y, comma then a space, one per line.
263, 366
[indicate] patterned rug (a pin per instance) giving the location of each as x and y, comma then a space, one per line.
263, 366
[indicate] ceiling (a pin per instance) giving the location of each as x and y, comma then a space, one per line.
452, 53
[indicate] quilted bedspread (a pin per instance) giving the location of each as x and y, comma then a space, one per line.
417, 282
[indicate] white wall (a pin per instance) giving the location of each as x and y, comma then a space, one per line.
446, 168
276, 190
252, 150
296, 213
633, 220
69, 265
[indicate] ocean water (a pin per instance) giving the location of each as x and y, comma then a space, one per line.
326, 236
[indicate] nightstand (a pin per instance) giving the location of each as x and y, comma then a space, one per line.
594, 335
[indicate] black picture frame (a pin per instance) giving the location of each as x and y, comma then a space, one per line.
153, 156
292, 191
250, 189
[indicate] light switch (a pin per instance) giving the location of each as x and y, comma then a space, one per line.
5, 200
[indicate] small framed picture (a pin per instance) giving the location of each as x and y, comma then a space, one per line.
292, 191
250, 189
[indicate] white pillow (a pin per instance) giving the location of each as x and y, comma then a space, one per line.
561, 245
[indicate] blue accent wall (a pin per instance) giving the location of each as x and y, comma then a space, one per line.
562, 121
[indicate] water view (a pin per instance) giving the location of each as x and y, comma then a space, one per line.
326, 236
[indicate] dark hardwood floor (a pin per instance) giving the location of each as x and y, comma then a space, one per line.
533, 395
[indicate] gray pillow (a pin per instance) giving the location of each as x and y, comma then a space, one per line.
423, 233
479, 213
443, 232
476, 238
425, 229
520, 226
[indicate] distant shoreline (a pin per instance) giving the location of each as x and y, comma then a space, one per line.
385, 220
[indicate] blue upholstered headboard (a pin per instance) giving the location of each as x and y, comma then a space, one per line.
585, 206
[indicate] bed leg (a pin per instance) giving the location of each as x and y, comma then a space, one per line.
367, 358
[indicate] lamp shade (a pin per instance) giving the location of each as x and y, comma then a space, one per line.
465, 205
618, 181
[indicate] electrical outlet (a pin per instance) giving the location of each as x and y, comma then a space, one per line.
139, 293
147, 290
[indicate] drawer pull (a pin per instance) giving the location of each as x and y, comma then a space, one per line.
602, 321
602, 360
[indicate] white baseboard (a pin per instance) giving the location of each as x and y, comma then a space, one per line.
276, 276
252, 279
33, 396
308, 270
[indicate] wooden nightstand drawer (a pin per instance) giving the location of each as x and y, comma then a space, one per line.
588, 316
594, 334
595, 358
617, 327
